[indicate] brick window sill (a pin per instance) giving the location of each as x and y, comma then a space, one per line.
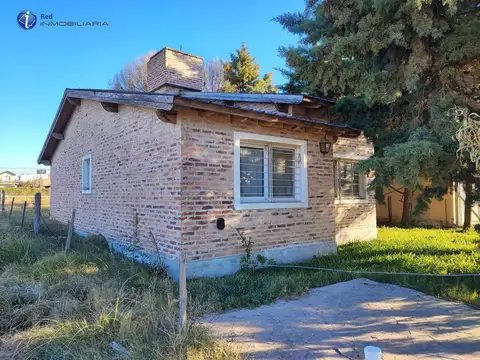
270, 205
354, 201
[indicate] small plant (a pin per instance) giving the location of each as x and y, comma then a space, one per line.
246, 261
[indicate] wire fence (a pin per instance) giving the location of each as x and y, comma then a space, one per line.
20, 208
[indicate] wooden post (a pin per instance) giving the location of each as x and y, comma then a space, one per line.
36, 213
389, 200
70, 232
23, 214
11, 207
3, 201
182, 282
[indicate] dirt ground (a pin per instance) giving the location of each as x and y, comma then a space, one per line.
338, 321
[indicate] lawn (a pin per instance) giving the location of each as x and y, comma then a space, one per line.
417, 250
73, 306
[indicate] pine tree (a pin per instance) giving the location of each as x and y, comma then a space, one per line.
242, 74
397, 67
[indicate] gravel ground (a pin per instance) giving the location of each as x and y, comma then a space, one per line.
338, 321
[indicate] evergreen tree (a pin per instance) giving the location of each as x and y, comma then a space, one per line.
242, 74
397, 67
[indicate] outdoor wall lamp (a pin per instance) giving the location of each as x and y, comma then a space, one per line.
325, 146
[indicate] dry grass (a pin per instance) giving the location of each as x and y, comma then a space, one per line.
57, 306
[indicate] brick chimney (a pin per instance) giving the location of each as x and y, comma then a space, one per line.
171, 70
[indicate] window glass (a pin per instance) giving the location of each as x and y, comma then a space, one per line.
86, 174
348, 180
252, 177
283, 172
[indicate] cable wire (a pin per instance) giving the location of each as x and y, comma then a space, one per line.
366, 272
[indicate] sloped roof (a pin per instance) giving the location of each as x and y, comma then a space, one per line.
217, 102
261, 98
7, 172
281, 115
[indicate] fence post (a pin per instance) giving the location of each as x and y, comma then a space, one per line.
36, 213
11, 207
182, 282
3, 201
70, 231
23, 214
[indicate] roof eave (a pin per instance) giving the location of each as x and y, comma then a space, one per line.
340, 129
72, 97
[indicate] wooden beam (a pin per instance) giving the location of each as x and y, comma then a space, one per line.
182, 102
74, 101
169, 117
110, 107
46, 162
58, 136
222, 110
155, 101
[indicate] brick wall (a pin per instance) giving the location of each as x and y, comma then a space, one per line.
179, 179
207, 191
172, 67
135, 170
360, 146
355, 218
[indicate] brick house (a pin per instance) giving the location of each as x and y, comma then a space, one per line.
179, 172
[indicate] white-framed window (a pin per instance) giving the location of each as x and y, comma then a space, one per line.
87, 174
269, 172
350, 183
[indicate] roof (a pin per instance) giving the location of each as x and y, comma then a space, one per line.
7, 172
281, 115
166, 102
262, 98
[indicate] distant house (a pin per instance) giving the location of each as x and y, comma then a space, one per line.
447, 212
177, 172
7, 179
35, 179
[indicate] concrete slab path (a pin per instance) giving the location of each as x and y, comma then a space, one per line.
338, 321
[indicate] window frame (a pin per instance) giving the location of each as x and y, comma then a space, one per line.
363, 192
300, 200
89, 190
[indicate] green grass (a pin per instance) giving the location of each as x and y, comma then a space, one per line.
73, 306
24, 191
395, 250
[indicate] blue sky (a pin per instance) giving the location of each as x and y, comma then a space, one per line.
37, 65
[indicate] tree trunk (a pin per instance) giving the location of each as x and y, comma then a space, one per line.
407, 200
467, 224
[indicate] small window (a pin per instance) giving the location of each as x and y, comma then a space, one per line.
87, 174
270, 172
349, 182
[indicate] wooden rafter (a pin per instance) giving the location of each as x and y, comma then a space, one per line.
169, 117
110, 107
74, 101
243, 113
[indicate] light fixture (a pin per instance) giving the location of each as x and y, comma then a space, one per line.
325, 146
